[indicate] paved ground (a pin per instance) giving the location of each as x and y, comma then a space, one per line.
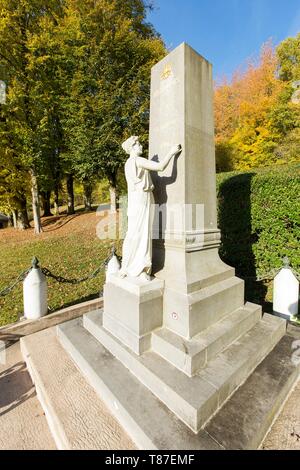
79, 419
285, 432
23, 424
22, 421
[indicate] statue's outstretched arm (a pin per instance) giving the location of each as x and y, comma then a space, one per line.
158, 166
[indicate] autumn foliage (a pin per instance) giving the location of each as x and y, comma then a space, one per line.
254, 116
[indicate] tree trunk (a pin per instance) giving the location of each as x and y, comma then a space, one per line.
113, 198
20, 215
56, 200
14, 218
22, 220
70, 191
35, 203
45, 195
87, 197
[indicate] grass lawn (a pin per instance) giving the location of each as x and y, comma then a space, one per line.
68, 247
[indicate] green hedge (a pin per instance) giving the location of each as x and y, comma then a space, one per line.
259, 217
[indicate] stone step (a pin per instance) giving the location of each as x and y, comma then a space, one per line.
139, 412
190, 356
69, 401
193, 399
246, 418
77, 418
188, 315
220, 298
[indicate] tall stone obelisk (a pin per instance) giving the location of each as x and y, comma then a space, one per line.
185, 257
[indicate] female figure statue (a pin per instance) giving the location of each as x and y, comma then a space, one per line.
137, 246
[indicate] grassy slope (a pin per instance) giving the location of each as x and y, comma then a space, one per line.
68, 247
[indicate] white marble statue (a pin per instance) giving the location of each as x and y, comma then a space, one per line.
137, 246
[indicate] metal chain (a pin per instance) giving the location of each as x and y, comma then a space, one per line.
64, 280
296, 274
266, 277
20, 278
61, 279
269, 276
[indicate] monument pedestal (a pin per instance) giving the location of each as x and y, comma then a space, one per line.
218, 368
133, 309
194, 364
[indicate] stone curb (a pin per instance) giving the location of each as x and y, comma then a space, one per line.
26, 327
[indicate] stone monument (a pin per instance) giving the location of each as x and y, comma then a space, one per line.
182, 108
174, 349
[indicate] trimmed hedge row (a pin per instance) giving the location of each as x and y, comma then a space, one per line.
259, 217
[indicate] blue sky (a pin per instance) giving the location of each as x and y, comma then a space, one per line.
226, 32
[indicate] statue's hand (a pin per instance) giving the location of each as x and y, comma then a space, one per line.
176, 149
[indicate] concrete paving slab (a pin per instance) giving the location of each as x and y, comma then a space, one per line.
16, 330
244, 420
284, 433
23, 424
72, 404
150, 423
75, 415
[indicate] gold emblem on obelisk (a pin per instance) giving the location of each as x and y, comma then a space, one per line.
166, 72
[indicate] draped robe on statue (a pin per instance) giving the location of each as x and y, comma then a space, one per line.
137, 246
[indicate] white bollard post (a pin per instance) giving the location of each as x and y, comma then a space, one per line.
35, 293
286, 292
113, 266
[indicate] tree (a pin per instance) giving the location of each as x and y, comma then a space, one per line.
114, 50
14, 183
288, 53
13, 195
244, 122
25, 27
78, 78
286, 116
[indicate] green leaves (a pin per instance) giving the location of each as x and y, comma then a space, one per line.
256, 121
289, 57
109, 84
259, 217
78, 76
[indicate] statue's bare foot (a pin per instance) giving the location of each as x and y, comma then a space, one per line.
145, 277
